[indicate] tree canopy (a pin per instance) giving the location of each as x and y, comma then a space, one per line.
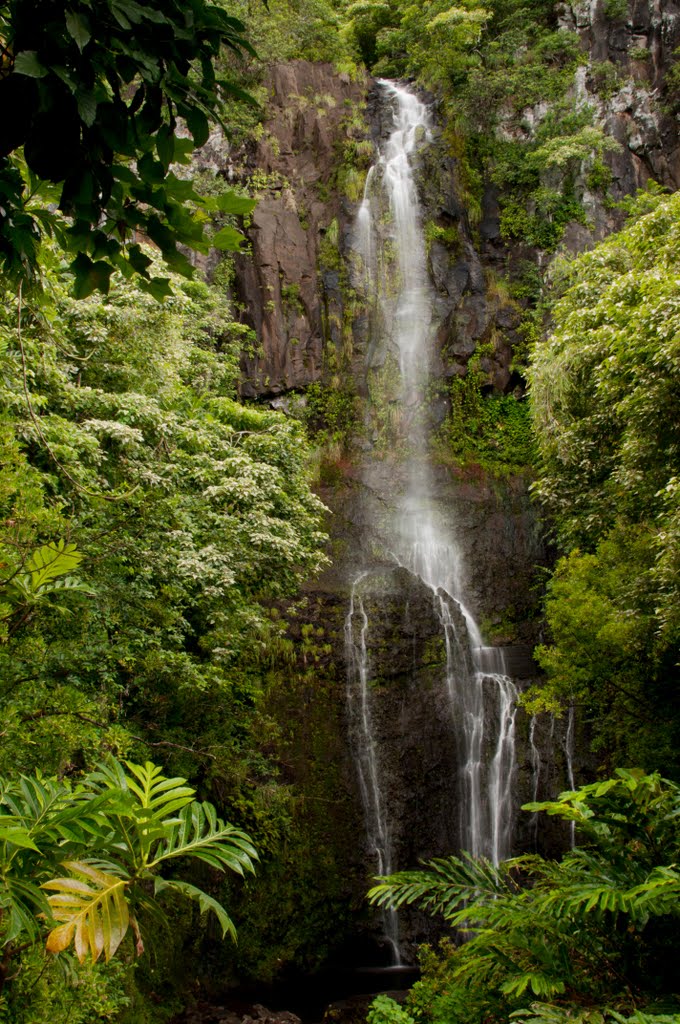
605, 390
96, 97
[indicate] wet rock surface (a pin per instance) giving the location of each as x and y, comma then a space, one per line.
295, 162
207, 1013
311, 328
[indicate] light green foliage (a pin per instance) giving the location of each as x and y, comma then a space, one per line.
603, 382
604, 388
447, 235
331, 414
44, 578
495, 65
606, 77
299, 30
400, 39
190, 513
384, 1010
616, 9
53, 989
599, 928
188, 508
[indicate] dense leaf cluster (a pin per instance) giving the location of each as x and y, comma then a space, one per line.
598, 929
189, 509
95, 96
504, 76
605, 390
123, 826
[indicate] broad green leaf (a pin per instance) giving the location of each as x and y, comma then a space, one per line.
198, 125
232, 202
150, 170
90, 276
159, 287
27, 63
180, 188
79, 29
18, 836
165, 145
87, 107
51, 561
228, 239
132, 10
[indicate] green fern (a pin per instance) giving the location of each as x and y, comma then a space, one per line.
200, 833
569, 929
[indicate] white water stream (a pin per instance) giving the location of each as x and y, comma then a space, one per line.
482, 696
364, 746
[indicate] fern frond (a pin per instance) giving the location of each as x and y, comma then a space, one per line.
205, 902
445, 886
200, 833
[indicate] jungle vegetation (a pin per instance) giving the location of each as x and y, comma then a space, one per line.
152, 525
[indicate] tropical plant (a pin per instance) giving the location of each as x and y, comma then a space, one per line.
115, 831
46, 575
603, 392
599, 927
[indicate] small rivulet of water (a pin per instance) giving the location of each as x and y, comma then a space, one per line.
390, 243
365, 753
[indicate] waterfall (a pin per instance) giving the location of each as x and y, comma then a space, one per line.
389, 241
536, 771
364, 746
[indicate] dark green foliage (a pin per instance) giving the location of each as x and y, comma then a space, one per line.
111, 831
487, 430
92, 94
121, 434
616, 9
599, 928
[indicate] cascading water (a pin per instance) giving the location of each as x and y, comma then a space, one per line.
482, 697
535, 771
364, 747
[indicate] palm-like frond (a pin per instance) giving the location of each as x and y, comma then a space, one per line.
146, 785
205, 902
93, 909
123, 822
603, 892
20, 902
200, 833
50, 810
445, 886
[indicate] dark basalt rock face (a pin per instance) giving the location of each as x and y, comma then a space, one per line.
640, 47
280, 286
414, 723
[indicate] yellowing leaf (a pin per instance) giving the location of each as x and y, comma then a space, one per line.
93, 911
